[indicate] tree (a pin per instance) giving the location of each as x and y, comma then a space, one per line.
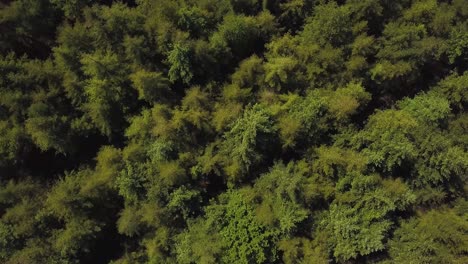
329, 25
151, 86
179, 59
282, 198
433, 237
387, 139
106, 89
241, 237
250, 135
359, 219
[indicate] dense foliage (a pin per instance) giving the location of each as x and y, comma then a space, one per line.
233, 131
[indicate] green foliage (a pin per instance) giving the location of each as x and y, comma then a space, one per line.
245, 141
250, 73
433, 237
278, 72
334, 162
104, 90
232, 226
71, 8
358, 220
243, 35
200, 243
193, 111
301, 119
151, 86
194, 20
10, 142
181, 68
130, 182
405, 49
454, 88
348, 100
386, 140
329, 25
430, 108
302, 250
246, 240
129, 221
47, 129
233, 131
282, 197
75, 236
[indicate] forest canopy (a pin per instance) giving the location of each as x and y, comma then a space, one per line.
234, 131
